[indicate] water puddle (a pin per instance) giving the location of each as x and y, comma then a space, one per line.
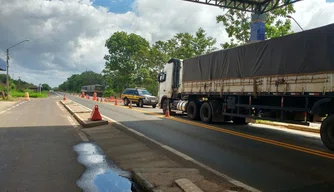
100, 175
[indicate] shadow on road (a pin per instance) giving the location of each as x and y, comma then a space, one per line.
43, 158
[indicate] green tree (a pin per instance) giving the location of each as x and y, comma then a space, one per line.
185, 45
237, 25
46, 87
76, 81
126, 60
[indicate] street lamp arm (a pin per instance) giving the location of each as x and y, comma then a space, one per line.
290, 17
18, 43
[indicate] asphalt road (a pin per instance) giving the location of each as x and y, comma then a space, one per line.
266, 159
36, 154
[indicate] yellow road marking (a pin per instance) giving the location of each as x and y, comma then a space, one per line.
256, 138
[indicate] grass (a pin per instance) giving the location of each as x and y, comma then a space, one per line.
32, 94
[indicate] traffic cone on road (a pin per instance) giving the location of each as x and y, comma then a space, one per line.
130, 106
64, 97
26, 94
101, 100
167, 114
116, 102
94, 96
95, 115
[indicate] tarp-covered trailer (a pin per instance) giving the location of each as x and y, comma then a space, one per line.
287, 79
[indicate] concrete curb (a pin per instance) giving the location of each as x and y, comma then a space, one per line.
291, 126
81, 121
136, 177
142, 182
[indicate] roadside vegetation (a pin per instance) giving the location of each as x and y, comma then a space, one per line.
133, 62
18, 88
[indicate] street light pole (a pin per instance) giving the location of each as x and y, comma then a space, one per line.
290, 17
7, 54
7, 81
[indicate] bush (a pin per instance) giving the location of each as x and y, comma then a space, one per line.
32, 94
109, 92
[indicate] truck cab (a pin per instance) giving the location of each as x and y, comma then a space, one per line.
170, 81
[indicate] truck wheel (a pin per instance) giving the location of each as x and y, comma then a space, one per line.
327, 132
126, 102
140, 103
154, 105
239, 120
206, 113
164, 106
193, 110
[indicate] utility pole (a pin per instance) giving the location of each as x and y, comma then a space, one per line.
7, 79
7, 50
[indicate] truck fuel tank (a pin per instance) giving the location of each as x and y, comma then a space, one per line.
182, 105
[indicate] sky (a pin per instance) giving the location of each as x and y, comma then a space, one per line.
68, 36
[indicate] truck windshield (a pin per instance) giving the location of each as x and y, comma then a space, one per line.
144, 92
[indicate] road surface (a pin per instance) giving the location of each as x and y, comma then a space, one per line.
36, 154
266, 159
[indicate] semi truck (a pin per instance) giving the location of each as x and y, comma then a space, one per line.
91, 89
287, 79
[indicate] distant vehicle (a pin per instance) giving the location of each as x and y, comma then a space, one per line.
139, 96
90, 89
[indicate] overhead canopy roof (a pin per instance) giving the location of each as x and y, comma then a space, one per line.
257, 6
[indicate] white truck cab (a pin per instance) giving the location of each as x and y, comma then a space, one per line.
170, 80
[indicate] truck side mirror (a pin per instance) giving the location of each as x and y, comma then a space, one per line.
161, 77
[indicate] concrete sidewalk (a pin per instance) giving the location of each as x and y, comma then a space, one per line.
153, 167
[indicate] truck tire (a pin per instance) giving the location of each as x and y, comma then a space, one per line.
126, 101
193, 110
140, 103
239, 120
206, 113
164, 106
327, 132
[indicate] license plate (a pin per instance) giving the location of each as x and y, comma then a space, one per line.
152, 100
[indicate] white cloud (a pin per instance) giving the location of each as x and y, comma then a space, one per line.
68, 36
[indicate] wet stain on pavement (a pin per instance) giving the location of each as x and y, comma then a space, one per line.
100, 175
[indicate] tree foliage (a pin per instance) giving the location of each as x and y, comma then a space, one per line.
237, 25
76, 81
133, 62
46, 87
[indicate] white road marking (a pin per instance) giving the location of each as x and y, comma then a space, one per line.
83, 136
12, 107
69, 118
176, 152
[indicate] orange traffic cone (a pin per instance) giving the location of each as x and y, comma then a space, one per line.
130, 106
27, 96
101, 100
95, 115
116, 102
64, 97
167, 114
94, 96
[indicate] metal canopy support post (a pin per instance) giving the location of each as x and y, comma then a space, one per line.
258, 27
